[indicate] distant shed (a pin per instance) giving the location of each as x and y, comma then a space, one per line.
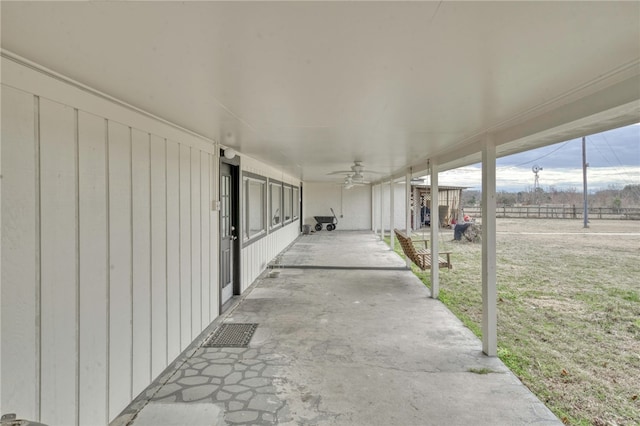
448, 202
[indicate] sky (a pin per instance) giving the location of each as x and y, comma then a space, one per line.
613, 157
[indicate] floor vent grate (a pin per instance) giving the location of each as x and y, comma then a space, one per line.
231, 336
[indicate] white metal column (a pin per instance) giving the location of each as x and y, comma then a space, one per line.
489, 279
374, 225
392, 208
407, 209
435, 229
416, 209
381, 211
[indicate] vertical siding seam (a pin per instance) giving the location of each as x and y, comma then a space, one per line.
166, 258
208, 219
180, 247
108, 261
191, 240
150, 269
201, 248
131, 260
77, 207
209, 209
38, 256
215, 254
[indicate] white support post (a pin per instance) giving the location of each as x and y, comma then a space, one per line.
392, 207
407, 209
381, 211
489, 277
416, 209
374, 225
435, 229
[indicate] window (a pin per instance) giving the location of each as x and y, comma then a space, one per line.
288, 204
225, 206
275, 189
255, 201
296, 202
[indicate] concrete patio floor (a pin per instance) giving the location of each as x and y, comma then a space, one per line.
339, 347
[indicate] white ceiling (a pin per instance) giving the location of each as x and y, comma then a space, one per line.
312, 86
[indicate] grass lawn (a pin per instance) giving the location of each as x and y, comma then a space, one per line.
568, 311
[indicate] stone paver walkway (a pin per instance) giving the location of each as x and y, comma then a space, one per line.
241, 378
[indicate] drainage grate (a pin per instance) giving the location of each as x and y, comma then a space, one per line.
231, 336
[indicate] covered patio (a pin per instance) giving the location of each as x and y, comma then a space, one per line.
158, 156
340, 341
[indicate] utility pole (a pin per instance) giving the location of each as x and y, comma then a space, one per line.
584, 181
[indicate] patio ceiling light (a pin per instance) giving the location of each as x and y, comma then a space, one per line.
229, 153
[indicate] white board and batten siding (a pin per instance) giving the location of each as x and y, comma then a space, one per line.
94, 268
257, 255
20, 253
158, 198
172, 211
109, 264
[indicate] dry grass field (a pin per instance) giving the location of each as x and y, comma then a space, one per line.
568, 312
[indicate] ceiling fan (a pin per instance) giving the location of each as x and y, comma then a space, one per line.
353, 180
357, 170
355, 176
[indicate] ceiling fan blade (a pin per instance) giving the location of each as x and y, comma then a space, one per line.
342, 172
358, 169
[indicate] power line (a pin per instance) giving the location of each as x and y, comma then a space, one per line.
619, 171
539, 158
611, 148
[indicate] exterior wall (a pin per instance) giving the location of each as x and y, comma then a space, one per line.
109, 249
352, 206
257, 255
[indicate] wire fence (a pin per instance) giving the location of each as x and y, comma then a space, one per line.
559, 212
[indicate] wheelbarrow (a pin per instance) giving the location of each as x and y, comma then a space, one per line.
331, 221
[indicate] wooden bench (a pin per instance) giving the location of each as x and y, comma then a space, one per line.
421, 257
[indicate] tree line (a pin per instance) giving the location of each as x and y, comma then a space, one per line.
612, 197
